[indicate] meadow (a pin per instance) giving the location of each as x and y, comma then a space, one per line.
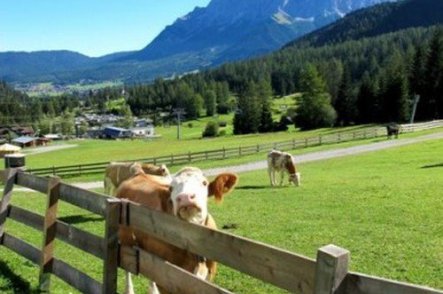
385, 207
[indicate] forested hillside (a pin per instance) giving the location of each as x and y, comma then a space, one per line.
377, 20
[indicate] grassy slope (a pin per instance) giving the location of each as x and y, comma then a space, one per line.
384, 207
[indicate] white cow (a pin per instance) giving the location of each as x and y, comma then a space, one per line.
282, 162
185, 197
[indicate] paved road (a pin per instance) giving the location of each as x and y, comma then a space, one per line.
312, 156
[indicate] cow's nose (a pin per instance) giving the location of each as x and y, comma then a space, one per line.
185, 199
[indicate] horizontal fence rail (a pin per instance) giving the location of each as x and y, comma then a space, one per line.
328, 273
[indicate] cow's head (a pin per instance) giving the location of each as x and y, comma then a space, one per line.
190, 191
294, 176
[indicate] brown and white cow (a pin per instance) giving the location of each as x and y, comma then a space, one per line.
282, 162
186, 198
117, 172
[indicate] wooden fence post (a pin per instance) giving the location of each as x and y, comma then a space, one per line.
10, 176
110, 265
331, 269
49, 232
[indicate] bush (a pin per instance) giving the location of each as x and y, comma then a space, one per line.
222, 124
211, 129
222, 133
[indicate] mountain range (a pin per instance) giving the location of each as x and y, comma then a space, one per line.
225, 30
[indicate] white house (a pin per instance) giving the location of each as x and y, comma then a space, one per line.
147, 131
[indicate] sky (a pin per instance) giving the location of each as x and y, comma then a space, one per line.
90, 27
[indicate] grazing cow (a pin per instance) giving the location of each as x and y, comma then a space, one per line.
186, 198
392, 129
284, 163
117, 172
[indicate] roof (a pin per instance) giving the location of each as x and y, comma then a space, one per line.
116, 129
24, 140
9, 147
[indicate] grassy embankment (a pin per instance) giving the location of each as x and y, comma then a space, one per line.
385, 207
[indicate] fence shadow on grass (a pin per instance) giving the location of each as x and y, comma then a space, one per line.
16, 283
252, 187
81, 218
433, 165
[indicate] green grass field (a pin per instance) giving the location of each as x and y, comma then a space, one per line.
385, 207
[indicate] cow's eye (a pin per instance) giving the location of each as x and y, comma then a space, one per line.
205, 183
170, 189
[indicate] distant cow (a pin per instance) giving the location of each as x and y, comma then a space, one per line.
117, 172
284, 163
186, 198
392, 129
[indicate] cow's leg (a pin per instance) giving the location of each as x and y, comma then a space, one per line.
153, 288
201, 270
282, 175
271, 176
129, 287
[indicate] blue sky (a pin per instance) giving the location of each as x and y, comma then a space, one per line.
91, 27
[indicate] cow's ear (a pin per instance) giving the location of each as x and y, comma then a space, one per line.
222, 184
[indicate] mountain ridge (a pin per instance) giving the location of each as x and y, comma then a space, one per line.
224, 31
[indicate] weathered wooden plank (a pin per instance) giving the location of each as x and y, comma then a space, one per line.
174, 279
278, 267
32, 182
49, 232
22, 248
357, 283
88, 200
83, 240
80, 239
129, 259
331, 270
110, 264
76, 278
10, 178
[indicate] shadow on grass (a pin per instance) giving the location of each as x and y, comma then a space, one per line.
79, 219
251, 187
16, 283
433, 165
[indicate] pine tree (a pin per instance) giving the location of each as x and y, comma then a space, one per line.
210, 102
247, 115
428, 107
345, 103
315, 109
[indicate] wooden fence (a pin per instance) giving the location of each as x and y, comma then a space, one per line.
286, 270
225, 153
218, 154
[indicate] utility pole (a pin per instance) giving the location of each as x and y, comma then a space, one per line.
414, 108
179, 112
